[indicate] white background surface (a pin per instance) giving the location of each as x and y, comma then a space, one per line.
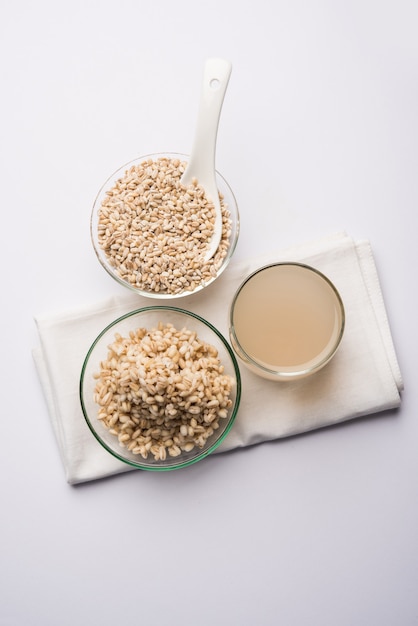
319, 133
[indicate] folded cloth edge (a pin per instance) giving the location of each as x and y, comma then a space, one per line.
371, 279
113, 465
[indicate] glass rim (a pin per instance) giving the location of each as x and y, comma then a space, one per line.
176, 462
108, 267
283, 373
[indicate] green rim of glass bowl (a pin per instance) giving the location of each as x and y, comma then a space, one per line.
176, 461
102, 257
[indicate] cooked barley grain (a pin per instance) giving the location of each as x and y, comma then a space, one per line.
155, 402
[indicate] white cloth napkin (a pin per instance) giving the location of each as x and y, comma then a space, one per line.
361, 379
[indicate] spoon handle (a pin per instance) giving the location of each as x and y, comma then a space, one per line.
215, 81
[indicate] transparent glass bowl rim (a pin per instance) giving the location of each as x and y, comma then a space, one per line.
177, 463
276, 373
101, 256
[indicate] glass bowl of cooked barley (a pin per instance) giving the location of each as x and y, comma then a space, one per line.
151, 233
160, 388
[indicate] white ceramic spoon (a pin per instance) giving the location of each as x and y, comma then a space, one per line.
201, 163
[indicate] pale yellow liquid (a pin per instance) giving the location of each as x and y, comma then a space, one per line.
287, 317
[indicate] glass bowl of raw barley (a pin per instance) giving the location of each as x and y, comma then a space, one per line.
160, 388
150, 232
